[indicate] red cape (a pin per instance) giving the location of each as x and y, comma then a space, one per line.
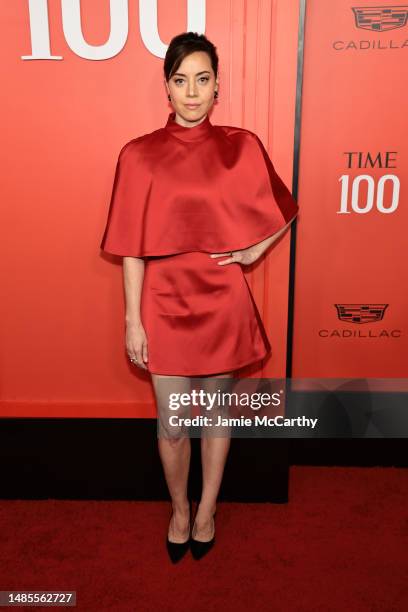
208, 188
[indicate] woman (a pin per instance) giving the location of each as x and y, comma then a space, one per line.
192, 202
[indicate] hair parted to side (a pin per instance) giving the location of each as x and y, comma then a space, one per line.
182, 45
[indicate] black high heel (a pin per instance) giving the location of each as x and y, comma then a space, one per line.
199, 548
177, 550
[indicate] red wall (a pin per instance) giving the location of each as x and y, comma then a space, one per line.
62, 313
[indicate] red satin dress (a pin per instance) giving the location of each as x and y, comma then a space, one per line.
180, 194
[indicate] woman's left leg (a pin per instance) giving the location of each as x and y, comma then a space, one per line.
214, 452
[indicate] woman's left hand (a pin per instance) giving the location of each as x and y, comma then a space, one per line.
244, 256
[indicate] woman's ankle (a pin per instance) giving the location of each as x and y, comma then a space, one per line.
205, 508
180, 507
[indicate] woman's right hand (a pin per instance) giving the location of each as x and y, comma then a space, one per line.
136, 344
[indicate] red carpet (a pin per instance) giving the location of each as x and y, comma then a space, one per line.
340, 544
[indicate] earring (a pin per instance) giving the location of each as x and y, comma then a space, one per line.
216, 94
168, 95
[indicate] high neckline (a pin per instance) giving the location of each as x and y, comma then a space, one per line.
188, 134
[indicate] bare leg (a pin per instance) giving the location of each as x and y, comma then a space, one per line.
175, 456
214, 451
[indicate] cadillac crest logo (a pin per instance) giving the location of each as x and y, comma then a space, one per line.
380, 18
360, 313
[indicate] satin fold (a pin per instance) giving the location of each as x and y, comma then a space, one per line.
199, 318
208, 188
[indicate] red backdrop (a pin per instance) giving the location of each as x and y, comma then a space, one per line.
351, 272
67, 110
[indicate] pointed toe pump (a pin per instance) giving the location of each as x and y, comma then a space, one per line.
199, 548
177, 550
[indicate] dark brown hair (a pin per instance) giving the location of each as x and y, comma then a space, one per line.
182, 45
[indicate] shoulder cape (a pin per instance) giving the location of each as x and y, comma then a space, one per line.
202, 188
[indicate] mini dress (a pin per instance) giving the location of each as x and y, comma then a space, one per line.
181, 193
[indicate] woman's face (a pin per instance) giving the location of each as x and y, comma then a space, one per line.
193, 83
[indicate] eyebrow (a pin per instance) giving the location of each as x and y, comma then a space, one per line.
181, 74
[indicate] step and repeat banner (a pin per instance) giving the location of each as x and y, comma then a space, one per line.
351, 308
83, 77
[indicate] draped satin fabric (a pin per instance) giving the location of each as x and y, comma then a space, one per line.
200, 318
207, 188
179, 194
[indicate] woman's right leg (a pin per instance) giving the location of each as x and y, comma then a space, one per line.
174, 453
